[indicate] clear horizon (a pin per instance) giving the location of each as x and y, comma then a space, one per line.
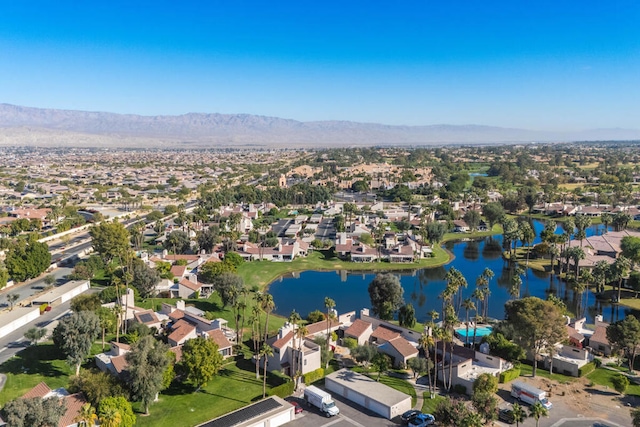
567, 66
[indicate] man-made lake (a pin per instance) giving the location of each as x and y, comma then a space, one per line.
306, 291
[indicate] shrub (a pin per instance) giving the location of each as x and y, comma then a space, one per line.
43, 307
620, 383
283, 390
350, 343
313, 376
509, 375
485, 383
597, 361
460, 389
586, 369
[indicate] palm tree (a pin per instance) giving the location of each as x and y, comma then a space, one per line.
468, 304
576, 254
329, 304
266, 352
426, 342
294, 319
582, 223
487, 274
606, 220
587, 279
478, 294
526, 237
537, 410
620, 270
254, 321
87, 416
267, 305
439, 335
600, 273
110, 418
519, 414
516, 283
300, 333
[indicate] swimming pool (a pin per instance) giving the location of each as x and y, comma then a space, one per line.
480, 331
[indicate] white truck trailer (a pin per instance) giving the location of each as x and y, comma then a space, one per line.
529, 394
321, 400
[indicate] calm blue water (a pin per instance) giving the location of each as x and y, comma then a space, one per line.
306, 291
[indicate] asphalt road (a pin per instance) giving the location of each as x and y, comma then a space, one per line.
11, 344
29, 288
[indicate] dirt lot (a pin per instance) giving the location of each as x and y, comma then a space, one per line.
578, 400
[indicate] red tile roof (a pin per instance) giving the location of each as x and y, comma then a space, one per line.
357, 328
403, 347
189, 284
181, 329
41, 390
176, 315
119, 363
321, 326
284, 340
74, 404
178, 270
219, 338
384, 334
600, 335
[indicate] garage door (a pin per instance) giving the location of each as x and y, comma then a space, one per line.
379, 408
356, 397
281, 419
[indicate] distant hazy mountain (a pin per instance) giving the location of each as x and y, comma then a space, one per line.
38, 126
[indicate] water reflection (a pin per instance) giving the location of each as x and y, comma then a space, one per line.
423, 287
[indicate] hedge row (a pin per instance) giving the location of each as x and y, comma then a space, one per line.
283, 390
509, 375
313, 376
586, 369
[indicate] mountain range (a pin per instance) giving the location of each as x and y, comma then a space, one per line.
27, 126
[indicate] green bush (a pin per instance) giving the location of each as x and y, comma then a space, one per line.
313, 376
283, 390
460, 389
586, 369
597, 361
620, 383
509, 375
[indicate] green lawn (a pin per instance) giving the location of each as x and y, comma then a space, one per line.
213, 304
527, 371
234, 387
429, 405
497, 229
602, 376
261, 273
32, 366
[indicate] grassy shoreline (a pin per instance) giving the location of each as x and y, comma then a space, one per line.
263, 273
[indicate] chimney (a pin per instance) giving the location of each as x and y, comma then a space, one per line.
180, 305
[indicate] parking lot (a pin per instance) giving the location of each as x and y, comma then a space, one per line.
350, 415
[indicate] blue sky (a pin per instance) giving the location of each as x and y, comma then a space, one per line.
553, 65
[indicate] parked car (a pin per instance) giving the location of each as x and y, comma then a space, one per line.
410, 415
422, 420
506, 415
297, 407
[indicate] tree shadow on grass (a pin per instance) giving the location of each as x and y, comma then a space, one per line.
179, 389
36, 359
